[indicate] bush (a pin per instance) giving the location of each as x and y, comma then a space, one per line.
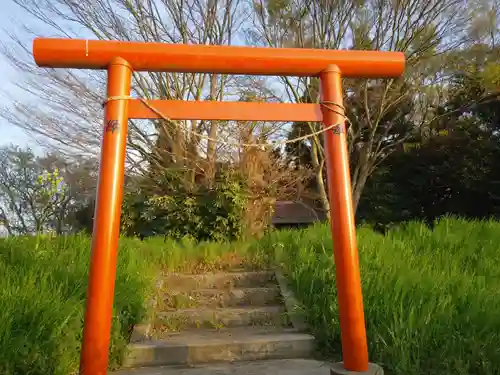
455, 174
177, 209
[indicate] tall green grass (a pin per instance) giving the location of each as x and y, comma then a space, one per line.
432, 297
42, 294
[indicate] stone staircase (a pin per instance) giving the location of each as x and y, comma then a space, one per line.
220, 317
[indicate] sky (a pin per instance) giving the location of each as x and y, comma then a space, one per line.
11, 16
8, 92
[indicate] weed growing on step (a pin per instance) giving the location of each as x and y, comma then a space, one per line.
171, 323
179, 301
187, 256
432, 297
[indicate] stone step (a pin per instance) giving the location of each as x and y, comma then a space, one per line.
293, 366
213, 298
205, 346
220, 318
224, 280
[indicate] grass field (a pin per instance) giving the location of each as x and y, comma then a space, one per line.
42, 293
432, 297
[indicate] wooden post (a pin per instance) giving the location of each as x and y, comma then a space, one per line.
350, 299
100, 293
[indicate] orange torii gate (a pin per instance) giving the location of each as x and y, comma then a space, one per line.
122, 58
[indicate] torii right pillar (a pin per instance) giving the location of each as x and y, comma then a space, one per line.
348, 279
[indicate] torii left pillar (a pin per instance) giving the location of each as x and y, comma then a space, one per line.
100, 294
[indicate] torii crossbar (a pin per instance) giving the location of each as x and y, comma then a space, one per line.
120, 59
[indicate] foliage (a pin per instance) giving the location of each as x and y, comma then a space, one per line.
431, 296
454, 174
51, 195
52, 184
42, 294
382, 113
439, 318
435, 35
393, 126
41, 193
178, 209
454, 169
31, 196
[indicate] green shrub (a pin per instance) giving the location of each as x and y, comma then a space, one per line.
177, 209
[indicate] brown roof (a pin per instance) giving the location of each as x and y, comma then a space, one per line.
289, 212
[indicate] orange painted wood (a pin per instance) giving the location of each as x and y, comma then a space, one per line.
211, 110
97, 54
345, 248
101, 288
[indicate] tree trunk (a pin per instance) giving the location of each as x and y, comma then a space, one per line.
210, 168
361, 173
323, 194
357, 188
320, 181
5, 222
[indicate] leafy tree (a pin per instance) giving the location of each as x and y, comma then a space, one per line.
383, 113
40, 193
30, 195
454, 169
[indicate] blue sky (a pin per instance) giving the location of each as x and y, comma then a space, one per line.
8, 16
11, 16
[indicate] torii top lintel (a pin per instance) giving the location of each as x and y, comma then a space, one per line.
163, 57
